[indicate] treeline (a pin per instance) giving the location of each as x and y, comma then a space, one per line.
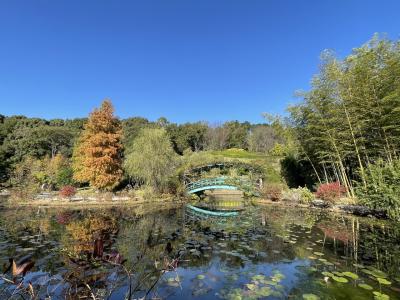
348, 125
27, 143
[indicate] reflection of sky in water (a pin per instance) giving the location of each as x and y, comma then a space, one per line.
215, 279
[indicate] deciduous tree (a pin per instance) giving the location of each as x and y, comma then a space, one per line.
97, 155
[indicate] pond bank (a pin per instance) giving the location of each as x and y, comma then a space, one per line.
98, 201
357, 210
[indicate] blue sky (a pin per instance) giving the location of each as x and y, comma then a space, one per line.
210, 60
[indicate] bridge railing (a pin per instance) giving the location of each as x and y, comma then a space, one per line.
218, 181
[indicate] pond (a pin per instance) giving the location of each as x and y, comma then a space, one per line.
266, 252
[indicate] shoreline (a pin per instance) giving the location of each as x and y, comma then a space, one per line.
89, 203
348, 209
356, 210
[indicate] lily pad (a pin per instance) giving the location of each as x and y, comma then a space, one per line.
366, 286
310, 297
318, 253
264, 292
380, 296
340, 279
383, 281
200, 276
251, 286
351, 275
329, 274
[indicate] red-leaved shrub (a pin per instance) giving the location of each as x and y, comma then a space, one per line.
272, 192
330, 191
67, 191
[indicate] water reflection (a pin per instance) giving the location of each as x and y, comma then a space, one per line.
263, 252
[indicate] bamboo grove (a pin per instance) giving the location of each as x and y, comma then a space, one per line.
350, 118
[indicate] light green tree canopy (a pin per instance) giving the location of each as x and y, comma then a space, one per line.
151, 158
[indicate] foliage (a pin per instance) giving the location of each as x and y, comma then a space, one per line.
131, 128
187, 136
97, 155
383, 188
151, 159
300, 194
272, 192
331, 191
67, 191
262, 138
350, 116
297, 171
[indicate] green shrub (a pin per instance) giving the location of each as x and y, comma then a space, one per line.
382, 190
306, 196
301, 195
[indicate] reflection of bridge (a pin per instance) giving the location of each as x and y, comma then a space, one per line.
218, 183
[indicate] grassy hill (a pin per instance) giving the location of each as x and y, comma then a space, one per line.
270, 163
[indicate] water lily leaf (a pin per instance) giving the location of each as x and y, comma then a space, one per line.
380, 296
351, 275
264, 292
310, 297
365, 286
251, 286
270, 282
340, 279
258, 277
318, 253
376, 272
329, 274
200, 276
383, 281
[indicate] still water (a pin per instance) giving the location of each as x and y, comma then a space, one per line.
266, 252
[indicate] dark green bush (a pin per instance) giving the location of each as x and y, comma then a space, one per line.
383, 188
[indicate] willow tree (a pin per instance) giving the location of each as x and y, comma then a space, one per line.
151, 158
97, 154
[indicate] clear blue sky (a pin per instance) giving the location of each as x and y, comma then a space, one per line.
186, 60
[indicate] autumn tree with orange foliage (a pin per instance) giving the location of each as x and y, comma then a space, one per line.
97, 154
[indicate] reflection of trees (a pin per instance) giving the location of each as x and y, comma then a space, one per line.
281, 218
82, 232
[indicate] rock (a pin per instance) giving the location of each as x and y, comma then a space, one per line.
320, 203
364, 211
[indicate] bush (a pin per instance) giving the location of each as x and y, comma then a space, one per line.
331, 191
272, 192
383, 188
301, 195
67, 191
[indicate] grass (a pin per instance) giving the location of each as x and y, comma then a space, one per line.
270, 163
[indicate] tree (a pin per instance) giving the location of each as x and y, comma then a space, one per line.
350, 118
188, 135
131, 128
151, 158
97, 154
262, 138
237, 134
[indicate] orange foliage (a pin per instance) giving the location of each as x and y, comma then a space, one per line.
97, 155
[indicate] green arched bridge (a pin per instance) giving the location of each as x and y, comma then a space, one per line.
218, 183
